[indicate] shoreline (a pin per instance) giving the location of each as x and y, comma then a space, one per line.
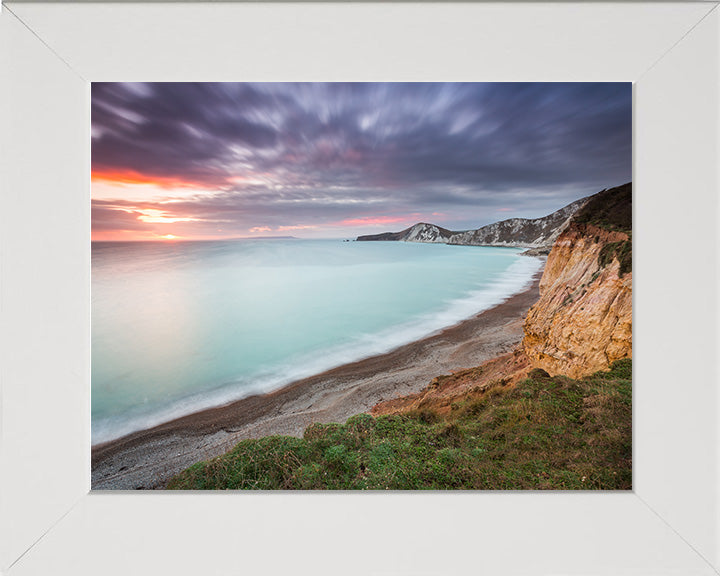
514, 279
148, 458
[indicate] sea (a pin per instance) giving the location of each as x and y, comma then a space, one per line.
182, 326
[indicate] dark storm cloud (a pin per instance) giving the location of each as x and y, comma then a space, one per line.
345, 149
180, 131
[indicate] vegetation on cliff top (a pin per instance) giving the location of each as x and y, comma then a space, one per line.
544, 433
610, 209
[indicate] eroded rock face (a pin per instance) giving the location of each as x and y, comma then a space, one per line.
521, 232
427, 233
420, 232
583, 319
515, 232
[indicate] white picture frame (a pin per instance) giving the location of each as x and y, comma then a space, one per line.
50, 523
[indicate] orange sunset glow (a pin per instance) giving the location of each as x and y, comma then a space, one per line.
228, 160
120, 177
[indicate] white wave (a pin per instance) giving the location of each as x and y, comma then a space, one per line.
514, 280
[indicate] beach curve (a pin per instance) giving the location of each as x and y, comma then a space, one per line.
147, 459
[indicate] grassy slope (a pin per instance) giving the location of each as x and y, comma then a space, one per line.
543, 433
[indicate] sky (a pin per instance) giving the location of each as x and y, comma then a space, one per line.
230, 160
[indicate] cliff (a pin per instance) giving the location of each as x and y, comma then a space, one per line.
515, 232
420, 232
583, 319
521, 232
582, 322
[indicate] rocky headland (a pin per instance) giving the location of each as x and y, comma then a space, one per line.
533, 233
582, 321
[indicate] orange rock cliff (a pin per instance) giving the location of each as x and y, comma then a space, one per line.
583, 319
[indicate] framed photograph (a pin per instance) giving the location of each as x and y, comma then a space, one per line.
251, 310
50, 520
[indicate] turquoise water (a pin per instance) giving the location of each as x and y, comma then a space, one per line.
181, 326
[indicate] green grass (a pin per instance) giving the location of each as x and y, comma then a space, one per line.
621, 250
544, 433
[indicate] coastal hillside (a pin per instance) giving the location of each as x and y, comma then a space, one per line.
545, 433
421, 232
583, 319
521, 232
514, 232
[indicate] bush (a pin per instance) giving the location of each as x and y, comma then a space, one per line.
622, 251
538, 374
